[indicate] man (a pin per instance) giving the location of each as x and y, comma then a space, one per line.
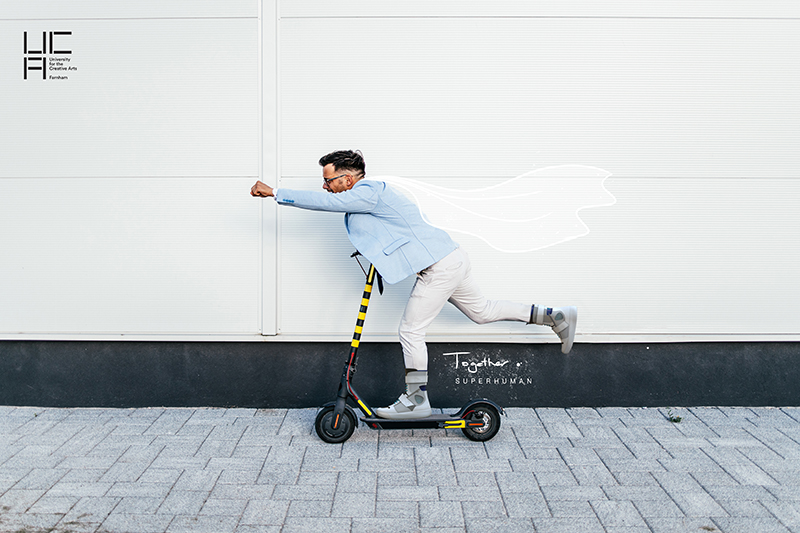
390, 232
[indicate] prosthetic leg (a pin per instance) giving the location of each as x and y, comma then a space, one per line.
563, 320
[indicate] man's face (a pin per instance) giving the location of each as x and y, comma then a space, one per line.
339, 180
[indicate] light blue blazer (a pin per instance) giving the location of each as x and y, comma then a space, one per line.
386, 227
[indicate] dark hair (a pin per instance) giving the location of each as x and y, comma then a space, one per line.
345, 160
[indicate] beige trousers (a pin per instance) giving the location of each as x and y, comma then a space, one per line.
449, 280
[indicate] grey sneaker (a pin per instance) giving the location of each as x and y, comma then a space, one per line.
408, 405
565, 320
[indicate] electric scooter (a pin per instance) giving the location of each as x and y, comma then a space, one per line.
479, 419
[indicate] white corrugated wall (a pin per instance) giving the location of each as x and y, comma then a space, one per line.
123, 190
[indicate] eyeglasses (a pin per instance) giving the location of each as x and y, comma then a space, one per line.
329, 180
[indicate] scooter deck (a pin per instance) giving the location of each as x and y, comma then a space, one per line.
437, 421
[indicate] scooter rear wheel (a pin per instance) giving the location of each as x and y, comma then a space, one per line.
324, 425
491, 422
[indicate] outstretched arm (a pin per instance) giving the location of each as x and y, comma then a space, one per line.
262, 189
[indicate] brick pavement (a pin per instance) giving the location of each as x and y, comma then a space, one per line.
610, 470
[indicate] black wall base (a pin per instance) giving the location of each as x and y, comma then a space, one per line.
175, 374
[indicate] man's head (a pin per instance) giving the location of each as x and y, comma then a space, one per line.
341, 170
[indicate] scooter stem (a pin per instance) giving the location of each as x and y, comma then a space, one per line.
344, 385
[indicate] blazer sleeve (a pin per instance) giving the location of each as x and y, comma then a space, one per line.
363, 198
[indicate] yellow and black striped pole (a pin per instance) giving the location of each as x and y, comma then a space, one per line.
362, 312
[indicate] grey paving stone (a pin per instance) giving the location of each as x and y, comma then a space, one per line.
568, 525
382, 525
635, 465
183, 502
715, 479
744, 508
396, 478
138, 505
677, 482
141, 490
432, 476
614, 412
470, 494
573, 493
216, 448
303, 492
539, 465
317, 525
565, 479
317, 478
787, 512
408, 493
223, 507
79, 490
357, 482
124, 472
476, 479
397, 509
629, 492
698, 504
24, 523
238, 477
19, 500
661, 508
552, 414
499, 525
525, 433
439, 514
691, 464
593, 475
203, 524
517, 482
353, 504
563, 429
40, 479
150, 523
247, 492
279, 474
197, 480
91, 510
504, 450
53, 505
379, 465
739, 492
160, 475
749, 525
571, 509
635, 479
179, 462
634, 435
483, 509
618, 514
331, 465
265, 512
309, 508
520, 505
580, 456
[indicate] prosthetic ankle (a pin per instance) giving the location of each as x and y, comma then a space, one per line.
414, 402
563, 320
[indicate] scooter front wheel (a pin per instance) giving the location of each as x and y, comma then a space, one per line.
482, 412
325, 422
